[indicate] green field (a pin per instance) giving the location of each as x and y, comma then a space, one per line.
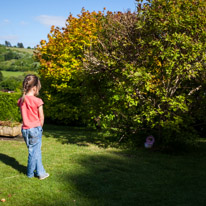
84, 173
30, 51
17, 59
12, 74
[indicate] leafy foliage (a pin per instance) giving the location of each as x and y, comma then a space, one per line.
1, 76
7, 43
8, 104
153, 71
61, 66
20, 45
12, 83
16, 60
172, 35
134, 73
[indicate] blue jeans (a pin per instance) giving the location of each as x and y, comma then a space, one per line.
33, 139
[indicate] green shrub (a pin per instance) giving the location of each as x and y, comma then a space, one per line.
12, 83
150, 75
1, 76
144, 72
8, 107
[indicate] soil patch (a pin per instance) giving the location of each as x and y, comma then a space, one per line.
17, 138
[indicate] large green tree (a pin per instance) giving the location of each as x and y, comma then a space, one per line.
173, 37
134, 73
151, 71
61, 59
7, 43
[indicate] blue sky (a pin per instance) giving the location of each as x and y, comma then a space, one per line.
29, 21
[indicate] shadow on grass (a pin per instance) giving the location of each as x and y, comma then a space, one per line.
140, 181
108, 181
146, 179
119, 178
79, 135
10, 161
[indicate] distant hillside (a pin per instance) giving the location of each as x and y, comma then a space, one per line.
17, 59
30, 51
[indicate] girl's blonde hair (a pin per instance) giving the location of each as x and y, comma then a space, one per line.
29, 82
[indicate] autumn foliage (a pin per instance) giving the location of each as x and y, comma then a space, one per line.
61, 61
134, 73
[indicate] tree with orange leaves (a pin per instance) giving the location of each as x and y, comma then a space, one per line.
61, 59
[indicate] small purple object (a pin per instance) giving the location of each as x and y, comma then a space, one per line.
149, 141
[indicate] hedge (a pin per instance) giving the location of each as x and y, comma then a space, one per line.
8, 106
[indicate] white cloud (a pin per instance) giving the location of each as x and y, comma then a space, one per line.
23, 23
6, 21
9, 37
51, 20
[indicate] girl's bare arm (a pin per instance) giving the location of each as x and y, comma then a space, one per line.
41, 115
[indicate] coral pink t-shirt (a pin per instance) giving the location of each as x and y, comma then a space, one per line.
30, 112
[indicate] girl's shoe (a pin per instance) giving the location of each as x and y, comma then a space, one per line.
44, 176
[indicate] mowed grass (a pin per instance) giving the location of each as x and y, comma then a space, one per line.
12, 74
86, 171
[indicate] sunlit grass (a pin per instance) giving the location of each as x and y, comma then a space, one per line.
12, 73
30, 51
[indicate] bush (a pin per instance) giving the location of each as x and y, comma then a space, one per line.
61, 67
1, 76
134, 72
11, 83
150, 74
8, 107
11, 55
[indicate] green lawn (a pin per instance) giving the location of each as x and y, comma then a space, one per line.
85, 170
12, 74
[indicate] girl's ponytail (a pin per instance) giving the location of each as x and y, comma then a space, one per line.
23, 97
25, 87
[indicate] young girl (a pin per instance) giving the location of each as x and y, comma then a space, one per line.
33, 119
